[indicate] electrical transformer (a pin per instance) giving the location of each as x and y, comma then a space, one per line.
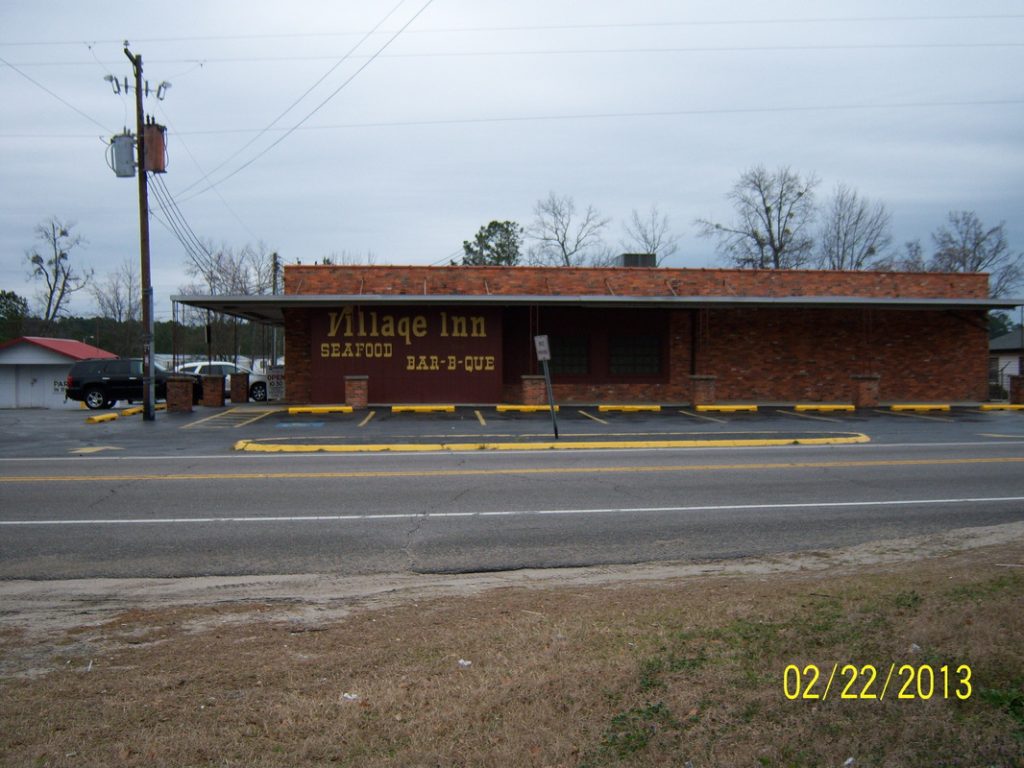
156, 148
121, 156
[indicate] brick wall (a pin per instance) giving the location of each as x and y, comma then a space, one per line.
810, 355
613, 281
298, 357
756, 354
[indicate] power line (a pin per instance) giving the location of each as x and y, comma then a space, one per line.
585, 116
548, 27
323, 103
295, 103
658, 113
171, 206
184, 144
178, 224
571, 52
62, 100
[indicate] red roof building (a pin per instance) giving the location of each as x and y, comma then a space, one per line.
74, 350
33, 370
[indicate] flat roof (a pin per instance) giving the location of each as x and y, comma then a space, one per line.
269, 309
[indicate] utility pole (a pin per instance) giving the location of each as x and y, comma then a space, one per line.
148, 370
276, 262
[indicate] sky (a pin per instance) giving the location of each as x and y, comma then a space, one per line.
400, 127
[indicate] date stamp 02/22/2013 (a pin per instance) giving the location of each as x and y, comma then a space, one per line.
868, 682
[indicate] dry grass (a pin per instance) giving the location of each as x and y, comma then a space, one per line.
687, 672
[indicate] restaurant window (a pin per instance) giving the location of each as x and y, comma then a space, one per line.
570, 355
634, 355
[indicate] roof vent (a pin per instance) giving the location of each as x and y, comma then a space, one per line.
637, 260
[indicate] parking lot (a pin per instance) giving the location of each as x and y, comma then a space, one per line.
253, 426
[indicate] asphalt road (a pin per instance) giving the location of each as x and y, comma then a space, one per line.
194, 507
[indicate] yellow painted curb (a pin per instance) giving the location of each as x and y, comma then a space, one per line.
257, 447
917, 407
524, 408
160, 407
101, 417
824, 408
423, 409
629, 408
1001, 407
135, 410
727, 408
319, 409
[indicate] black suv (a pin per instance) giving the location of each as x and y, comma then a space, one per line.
101, 383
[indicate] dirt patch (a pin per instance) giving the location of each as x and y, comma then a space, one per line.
664, 664
43, 606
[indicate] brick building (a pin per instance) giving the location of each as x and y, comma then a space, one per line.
465, 334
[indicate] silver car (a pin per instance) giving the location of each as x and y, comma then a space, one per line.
257, 382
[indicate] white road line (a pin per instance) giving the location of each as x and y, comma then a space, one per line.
591, 417
377, 457
702, 416
798, 415
507, 513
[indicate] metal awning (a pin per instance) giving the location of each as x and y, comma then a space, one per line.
269, 309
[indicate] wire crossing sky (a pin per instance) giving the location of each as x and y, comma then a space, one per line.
398, 128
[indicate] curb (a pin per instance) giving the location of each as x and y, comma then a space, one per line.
836, 408
260, 447
726, 409
423, 409
319, 409
524, 408
100, 418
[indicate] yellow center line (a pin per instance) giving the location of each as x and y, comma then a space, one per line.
337, 475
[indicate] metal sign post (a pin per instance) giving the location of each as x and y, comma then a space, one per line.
544, 355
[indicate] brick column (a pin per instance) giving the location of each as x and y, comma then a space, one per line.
1017, 389
865, 390
357, 391
179, 394
213, 391
534, 391
239, 387
702, 390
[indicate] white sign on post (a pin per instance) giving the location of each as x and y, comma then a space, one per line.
543, 356
543, 348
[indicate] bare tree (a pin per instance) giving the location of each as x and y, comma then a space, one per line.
967, 245
775, 212
53, 266
855, 232
350, 258
117, 297
560, 237
224, 270
912, 260
650, 234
